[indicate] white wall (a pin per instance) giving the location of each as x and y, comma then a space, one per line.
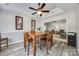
7, 22
70, 20
13, 37
77, 26
56, 26
40, 24
7, 26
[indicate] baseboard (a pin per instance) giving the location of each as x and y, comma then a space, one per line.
13, 43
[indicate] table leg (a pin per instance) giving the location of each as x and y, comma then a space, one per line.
40, 43
25, 43
51, 43
47, 47
34, 52
28, 47
34, 47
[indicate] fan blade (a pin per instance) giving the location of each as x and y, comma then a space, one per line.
40, 14
43, 5
45, 11
32, 8
34, 13
38, 3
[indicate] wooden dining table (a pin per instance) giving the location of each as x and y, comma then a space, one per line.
35, 36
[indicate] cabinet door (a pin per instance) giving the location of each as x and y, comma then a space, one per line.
72, 37
72, 41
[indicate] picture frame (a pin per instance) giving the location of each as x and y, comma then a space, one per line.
19, 22
33, 25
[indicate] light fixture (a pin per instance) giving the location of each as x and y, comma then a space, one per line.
39, 12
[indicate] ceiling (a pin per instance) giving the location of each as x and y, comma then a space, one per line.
55, 8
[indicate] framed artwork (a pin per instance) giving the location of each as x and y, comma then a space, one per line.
33, 25
19, 22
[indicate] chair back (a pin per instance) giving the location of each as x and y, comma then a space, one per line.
25, 36
53, 31
48, 35
61, 31
51, 35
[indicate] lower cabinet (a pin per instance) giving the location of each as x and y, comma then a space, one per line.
72, 39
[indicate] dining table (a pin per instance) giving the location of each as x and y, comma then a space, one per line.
35, 36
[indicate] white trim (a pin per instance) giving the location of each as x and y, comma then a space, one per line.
12, 31
14, 42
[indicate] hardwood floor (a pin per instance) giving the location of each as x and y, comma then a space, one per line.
59, 48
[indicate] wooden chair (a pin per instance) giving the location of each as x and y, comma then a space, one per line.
27, 41
3, 39
34, 41
62, 34
51, 39
53, 31
46, 39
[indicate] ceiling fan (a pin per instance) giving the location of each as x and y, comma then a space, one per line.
39, 10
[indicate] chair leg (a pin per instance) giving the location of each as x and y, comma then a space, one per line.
51, 43
0, 46
25, 45
7, 42
47, 48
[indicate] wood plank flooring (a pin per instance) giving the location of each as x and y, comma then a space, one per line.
58, 49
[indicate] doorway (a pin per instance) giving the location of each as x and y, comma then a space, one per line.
58, 28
